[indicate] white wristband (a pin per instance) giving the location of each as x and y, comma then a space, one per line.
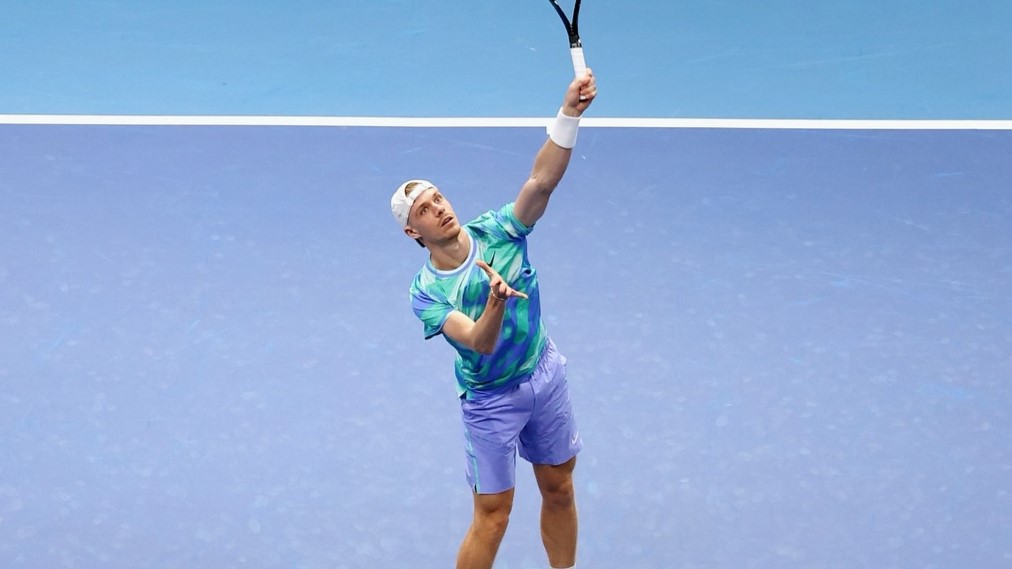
563, 130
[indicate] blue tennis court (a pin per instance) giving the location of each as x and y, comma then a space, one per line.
789, 345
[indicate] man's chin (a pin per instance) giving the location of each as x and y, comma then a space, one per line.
448, 234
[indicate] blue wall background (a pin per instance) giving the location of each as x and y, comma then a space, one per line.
902, 59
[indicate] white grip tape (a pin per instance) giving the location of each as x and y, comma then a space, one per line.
579, 63
563, 130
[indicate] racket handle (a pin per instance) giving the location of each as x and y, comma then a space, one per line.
579, 64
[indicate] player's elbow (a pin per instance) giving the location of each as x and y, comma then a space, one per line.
484, 348
544, 183
484, 344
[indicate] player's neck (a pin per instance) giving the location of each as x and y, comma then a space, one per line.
452, 254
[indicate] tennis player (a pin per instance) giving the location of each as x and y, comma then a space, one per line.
479, 290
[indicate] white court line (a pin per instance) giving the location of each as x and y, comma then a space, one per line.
438, 122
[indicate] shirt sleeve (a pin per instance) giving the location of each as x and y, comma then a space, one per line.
510, 224
431, 311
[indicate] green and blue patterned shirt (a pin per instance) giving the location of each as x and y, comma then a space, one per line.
498, 238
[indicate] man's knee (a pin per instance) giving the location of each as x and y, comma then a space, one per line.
557, 489
556, 483
492, 512
492, 523
561, 495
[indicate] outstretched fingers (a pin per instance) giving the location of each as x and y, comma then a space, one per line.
497, 284
510, 291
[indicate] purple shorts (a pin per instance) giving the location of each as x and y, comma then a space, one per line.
534, 417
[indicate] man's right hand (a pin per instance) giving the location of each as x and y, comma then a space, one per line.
580, 94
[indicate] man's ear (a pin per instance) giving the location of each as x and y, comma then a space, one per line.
412, 233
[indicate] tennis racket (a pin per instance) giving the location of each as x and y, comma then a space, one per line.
573, 29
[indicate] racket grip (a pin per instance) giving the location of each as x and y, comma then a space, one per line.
579, 64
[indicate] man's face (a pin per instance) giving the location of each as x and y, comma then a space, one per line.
432, 218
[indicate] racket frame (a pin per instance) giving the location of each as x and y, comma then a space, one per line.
573, 30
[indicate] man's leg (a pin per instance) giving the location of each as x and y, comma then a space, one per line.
558, 512
491, 516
